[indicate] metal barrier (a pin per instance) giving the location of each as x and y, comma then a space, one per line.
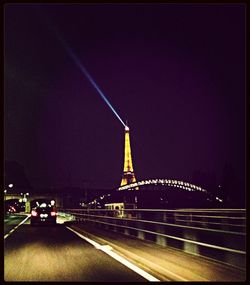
214, 233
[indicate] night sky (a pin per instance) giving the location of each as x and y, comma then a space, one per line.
175, 72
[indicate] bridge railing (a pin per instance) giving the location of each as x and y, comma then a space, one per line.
215, 233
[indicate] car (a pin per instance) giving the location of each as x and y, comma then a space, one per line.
10, 210
43, 213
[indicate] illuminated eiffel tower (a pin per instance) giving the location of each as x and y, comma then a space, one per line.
128, 171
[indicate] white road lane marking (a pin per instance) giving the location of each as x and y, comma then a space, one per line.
108, 250
10, 232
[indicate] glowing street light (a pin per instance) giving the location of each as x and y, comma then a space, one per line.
10, 186
25, 197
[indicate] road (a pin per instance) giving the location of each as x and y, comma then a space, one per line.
57, 253
54, 253
165, 263
10, 221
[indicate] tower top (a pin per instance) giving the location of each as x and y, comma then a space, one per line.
126, 127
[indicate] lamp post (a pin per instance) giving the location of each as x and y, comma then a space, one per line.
5, 191
25, 197
5, 194
25, 201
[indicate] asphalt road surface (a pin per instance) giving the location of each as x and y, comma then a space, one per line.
10, 221
54, 253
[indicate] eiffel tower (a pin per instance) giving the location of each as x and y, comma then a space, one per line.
128, 171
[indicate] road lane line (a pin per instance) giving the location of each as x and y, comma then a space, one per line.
108, 250
144, 261
8, 234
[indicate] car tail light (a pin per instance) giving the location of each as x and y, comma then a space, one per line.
53, 213
33, 213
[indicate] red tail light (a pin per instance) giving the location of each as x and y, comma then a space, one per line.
33, 213
53, 213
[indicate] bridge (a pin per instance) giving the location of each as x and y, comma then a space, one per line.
163, 183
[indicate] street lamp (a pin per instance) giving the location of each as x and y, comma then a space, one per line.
10, 186
24, 196
5, 192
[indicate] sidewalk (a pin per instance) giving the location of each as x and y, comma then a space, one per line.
166, 264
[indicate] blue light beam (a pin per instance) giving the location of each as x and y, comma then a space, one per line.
89, 77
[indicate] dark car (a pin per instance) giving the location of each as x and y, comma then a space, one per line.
44, 213
10, 210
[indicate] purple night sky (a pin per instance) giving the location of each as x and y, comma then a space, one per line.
175, 72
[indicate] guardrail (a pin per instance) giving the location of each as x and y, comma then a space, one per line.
214, 233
